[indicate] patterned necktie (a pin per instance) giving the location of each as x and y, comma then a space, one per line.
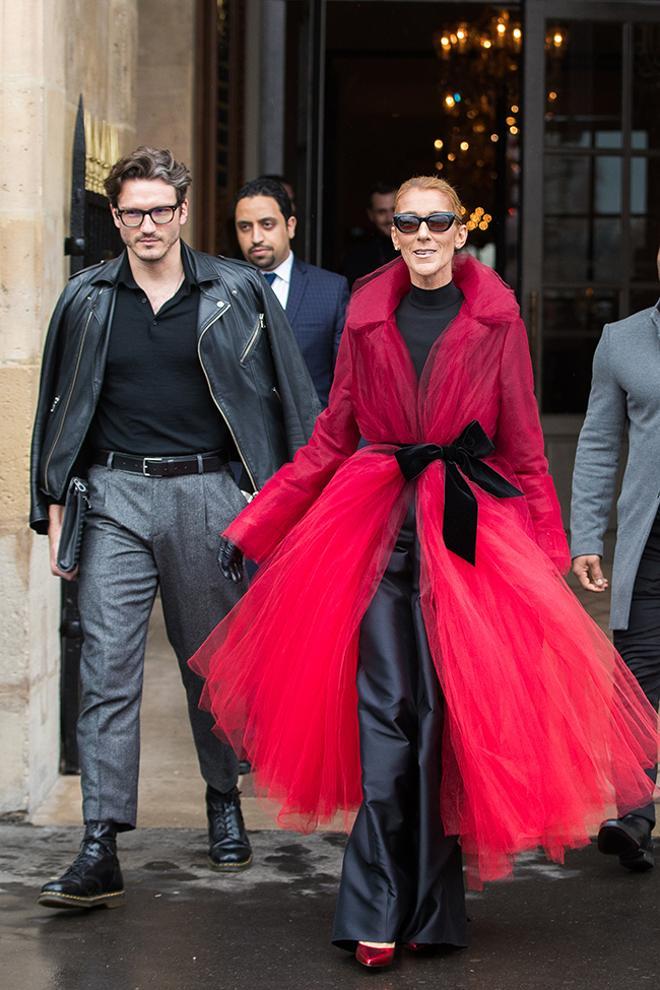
270, 277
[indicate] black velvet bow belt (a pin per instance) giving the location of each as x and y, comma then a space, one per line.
459, 523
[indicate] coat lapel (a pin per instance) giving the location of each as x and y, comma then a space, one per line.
296, 290
655, 317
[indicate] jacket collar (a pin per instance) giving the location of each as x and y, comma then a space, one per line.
655, 316
202, 267
487, 297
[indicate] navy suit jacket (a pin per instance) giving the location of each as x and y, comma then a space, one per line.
316, 309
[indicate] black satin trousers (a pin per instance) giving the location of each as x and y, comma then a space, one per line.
402, 876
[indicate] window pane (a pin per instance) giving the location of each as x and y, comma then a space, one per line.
645, 219
566, 184
572, 325
646, 87
584, 85
579, 185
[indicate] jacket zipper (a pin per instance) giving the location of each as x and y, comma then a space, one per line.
227, 423
82, 488
254, 337
68, 400
55, 403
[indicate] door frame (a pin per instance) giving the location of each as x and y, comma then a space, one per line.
536, 14
561, 430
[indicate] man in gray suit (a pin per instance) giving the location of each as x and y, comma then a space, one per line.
625, 404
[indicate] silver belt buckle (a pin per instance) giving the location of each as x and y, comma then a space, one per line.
145, 464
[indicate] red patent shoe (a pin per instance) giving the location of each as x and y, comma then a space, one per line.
372, 955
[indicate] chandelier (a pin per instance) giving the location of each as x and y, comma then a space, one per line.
499, 35
479, 97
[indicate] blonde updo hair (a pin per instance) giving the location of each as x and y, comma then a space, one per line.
431, 182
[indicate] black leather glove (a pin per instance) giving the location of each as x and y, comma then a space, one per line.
230, 560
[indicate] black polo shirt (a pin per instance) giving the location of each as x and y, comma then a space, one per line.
155, 400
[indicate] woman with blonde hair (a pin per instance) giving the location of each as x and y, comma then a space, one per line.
409, 648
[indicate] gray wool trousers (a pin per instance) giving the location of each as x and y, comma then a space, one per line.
141, 534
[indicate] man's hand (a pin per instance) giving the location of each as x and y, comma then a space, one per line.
230, 559
55, 514
587, 570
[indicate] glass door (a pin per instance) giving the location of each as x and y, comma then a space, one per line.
591, 193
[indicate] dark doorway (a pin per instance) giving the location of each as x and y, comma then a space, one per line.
423, 88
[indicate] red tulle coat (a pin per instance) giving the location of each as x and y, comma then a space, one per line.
544, 723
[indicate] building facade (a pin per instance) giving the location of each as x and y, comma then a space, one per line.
542, 112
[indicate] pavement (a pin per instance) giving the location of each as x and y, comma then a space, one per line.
587, 925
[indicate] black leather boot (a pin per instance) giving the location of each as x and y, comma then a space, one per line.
94, 878
229, 846
630, 839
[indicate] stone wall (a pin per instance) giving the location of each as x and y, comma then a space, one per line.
165, 71
50, 51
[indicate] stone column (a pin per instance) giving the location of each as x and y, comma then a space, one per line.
50, 51
32, 158
165, 74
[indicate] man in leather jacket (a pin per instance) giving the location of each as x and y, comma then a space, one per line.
159, 367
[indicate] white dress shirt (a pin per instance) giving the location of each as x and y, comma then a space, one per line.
282, 280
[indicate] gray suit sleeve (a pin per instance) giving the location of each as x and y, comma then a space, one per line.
598, 453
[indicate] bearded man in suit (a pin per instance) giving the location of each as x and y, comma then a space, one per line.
313, 299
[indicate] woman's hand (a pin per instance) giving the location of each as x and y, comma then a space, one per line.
588, 572
230, 560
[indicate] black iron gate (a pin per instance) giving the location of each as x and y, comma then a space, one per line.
92, 238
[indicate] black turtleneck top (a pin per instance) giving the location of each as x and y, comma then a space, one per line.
422, 315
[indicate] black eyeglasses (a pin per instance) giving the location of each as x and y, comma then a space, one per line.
409, 223
158, 214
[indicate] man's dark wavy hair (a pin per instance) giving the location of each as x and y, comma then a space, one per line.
263, 186
148, 163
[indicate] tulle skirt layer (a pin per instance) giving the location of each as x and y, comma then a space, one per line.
545, 726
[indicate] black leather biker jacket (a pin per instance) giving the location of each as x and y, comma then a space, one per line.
254, 369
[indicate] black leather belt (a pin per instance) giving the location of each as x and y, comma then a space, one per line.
161, 467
